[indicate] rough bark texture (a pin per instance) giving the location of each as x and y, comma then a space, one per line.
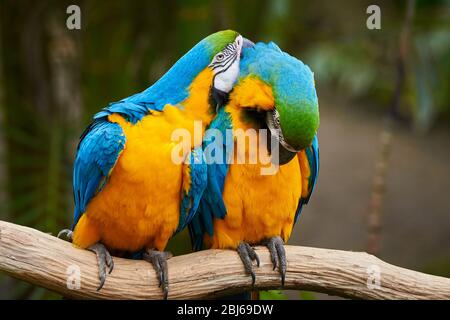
49, 262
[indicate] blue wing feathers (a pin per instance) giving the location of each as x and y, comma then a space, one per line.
167, 90
132, 112
98, 151
211, 204
191, 200
312, 153
101, 143
313, 158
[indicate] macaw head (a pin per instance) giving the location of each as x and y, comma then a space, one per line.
278, 90
219, 52
225, 52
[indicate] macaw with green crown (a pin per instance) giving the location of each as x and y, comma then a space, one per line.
242, 206
129, 194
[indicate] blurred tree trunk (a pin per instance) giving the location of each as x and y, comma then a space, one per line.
155, 47
3, 194
402, 58
220, 15
65, 73
42, 112
249, 19
386, 137
194, 22
43, 102
3, 198
5, 283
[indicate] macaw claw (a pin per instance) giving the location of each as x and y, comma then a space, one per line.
66, 232
277, 255
104, 260
248, 255
159, 261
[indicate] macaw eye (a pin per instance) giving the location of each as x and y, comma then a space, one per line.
220, 57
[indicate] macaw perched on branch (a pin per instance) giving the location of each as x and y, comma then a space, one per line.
126, 186
241, 206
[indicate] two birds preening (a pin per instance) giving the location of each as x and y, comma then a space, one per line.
130, 196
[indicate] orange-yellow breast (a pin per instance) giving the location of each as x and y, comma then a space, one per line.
258, 206
139, 206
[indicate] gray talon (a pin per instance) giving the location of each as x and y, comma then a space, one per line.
248, 255
109, 262
66, 232
159, 261
278, 256
273, 256
104, 260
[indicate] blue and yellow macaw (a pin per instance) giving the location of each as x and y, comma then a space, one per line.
126, 186
242, 206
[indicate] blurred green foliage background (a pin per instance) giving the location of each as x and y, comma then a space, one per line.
52, 80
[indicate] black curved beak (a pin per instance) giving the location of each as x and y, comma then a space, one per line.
281, 152
284, 155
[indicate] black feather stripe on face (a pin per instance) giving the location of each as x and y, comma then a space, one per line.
229, 53
228, 61
220, 97
222, 63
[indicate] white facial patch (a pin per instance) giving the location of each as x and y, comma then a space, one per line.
225, 81
226, 65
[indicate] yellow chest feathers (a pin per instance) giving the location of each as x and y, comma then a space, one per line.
140, 204
259, 206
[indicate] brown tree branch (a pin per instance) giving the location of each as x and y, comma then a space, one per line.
46, 261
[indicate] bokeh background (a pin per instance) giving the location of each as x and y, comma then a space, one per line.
384, 99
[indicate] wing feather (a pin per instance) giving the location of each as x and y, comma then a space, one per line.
194, 184
211, 204
309, 166
98, 151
